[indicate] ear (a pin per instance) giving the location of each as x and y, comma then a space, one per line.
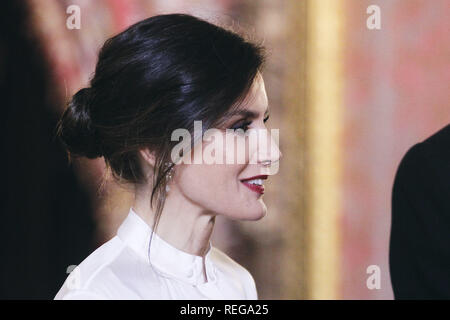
147, 156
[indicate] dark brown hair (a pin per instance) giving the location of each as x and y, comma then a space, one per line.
158, 75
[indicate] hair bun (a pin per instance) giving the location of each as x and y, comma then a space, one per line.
76, 130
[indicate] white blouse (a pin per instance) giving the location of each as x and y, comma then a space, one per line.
121, 269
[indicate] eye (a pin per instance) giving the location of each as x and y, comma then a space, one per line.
242, 125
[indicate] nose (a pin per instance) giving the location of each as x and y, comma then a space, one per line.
269, 153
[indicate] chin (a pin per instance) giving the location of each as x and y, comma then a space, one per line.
254, 213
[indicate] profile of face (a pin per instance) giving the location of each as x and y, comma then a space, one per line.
220, 188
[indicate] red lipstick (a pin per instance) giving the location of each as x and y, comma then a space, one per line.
256, 188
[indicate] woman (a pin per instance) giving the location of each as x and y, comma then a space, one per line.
160, 75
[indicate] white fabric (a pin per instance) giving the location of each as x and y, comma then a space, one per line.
121, 269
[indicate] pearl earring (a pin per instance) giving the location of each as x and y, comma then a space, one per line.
169, 175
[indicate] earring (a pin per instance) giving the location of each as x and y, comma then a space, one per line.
169, 175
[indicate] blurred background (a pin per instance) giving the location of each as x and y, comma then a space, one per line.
349, 101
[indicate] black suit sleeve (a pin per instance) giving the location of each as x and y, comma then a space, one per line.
419, 256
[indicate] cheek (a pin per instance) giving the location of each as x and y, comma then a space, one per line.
209, 185
217, 188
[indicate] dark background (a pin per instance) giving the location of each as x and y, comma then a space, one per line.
46, 220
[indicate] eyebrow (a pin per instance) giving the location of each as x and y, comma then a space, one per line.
248, 113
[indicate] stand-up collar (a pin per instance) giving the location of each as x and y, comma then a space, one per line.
168, 260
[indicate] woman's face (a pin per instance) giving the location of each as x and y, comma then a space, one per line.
220, 188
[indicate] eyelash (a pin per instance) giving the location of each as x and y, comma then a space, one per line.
245, 125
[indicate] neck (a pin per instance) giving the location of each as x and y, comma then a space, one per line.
182, 224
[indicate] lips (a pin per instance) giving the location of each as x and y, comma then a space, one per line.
258, 188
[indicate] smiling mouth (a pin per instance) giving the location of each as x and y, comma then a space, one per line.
255, 183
